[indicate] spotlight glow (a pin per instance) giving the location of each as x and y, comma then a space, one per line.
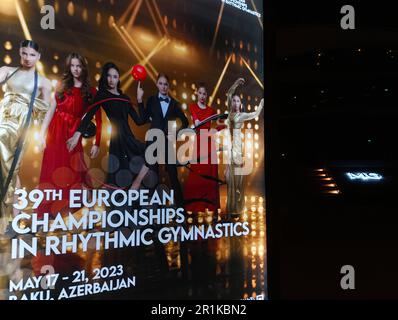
8, 7
7, 45
7, 59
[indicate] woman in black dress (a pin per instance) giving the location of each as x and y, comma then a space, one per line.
126, 167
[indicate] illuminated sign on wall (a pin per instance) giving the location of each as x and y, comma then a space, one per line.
241, 5
364, 176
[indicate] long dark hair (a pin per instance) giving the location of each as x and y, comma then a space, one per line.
242, 107
67, 78
103, 81
29, 44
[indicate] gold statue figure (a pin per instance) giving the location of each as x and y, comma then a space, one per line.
233, 174
14, 107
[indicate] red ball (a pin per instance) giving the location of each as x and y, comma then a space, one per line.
138, 72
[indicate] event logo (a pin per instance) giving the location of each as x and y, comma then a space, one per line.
241, 5
364, 176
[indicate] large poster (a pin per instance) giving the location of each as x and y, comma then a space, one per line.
132, 150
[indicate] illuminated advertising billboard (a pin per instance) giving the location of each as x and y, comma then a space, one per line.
132, 150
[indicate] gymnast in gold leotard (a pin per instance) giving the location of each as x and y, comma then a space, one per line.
234, 176
19, 84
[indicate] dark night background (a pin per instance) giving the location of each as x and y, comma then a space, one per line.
335, 96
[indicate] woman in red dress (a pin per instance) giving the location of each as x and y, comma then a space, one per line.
202, 181
61, 169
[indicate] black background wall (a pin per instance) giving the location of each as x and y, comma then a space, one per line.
333, 97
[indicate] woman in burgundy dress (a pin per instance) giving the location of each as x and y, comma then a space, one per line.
61, 169
202, 181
